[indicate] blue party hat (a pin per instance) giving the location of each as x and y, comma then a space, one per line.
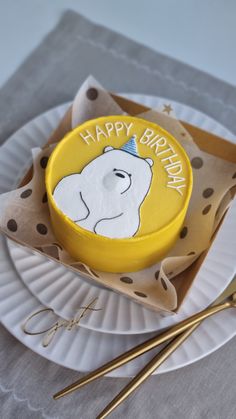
131, 146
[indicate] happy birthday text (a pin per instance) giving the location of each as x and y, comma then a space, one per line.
156, 142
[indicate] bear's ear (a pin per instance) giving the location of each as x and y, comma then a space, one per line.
149, 161
108, 148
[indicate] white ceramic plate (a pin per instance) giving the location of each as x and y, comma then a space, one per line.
63, 290
82, 349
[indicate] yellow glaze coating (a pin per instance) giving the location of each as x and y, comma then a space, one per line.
162, 211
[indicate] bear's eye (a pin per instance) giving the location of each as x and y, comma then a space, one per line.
120, 175
114, 170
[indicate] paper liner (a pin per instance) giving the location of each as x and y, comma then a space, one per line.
24, 214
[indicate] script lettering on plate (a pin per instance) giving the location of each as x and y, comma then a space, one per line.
30, 325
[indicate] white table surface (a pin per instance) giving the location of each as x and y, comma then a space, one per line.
200, 33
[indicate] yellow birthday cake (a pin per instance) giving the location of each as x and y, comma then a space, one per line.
118, 190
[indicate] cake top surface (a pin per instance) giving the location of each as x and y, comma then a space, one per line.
120, 177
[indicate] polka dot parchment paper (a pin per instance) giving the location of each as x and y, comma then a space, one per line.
24, 213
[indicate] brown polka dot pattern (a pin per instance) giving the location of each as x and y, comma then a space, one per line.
41, 229
45, 198
183, 232
206, 209
44, 162
157, 274
197, 162
126, 280
170, 273
26, 193
12, 225
140, 294
208, 192
163, 283
92, 93
191, 253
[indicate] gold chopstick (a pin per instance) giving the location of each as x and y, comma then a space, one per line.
162, 356
148, 345
152, 365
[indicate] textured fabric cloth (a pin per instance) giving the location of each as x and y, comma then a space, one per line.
51, 76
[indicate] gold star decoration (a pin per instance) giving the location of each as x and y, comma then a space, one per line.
167, 109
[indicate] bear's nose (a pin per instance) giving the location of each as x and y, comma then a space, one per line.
119, 175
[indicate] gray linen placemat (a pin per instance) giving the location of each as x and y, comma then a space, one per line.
51, 76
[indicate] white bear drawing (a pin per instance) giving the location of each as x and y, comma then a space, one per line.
106, 196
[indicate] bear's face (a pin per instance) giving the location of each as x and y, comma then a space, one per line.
119, 172
117, 180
